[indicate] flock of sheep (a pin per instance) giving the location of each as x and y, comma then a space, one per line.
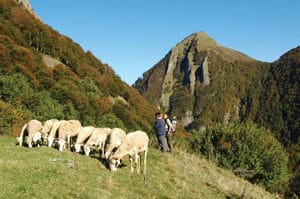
114, 143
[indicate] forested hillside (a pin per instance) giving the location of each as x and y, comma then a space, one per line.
44, 75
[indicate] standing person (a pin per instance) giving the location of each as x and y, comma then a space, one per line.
168, 129
159, 127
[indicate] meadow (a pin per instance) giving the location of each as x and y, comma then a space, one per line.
47, 173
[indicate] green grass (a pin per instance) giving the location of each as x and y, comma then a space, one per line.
47, 173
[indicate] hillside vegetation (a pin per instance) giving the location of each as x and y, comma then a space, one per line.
47, 173
44, 75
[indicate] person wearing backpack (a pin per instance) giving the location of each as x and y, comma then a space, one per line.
168, 128
159, 127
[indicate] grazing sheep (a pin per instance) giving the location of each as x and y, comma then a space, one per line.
97, 140
53, 133
114, 140
30, 133
66, 131
82, 136
48, 125
134, 144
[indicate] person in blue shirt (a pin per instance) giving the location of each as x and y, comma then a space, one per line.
159, 127
168, 129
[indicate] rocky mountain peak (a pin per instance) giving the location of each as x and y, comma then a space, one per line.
26, 4
203, 42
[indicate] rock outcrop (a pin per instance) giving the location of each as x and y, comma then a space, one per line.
26, 4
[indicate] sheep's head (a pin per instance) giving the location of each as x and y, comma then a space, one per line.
36, 137
19, 140
44, 135
77, 148
114, 162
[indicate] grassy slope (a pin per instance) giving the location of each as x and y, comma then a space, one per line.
46, 173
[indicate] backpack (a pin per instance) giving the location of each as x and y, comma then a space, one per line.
173, 127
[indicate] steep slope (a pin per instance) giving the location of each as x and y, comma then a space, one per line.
202, 82
44, 74
280, 108
280, 102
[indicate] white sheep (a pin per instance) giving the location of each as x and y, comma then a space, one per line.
48, 125
82, 137
114, 140
30, 133
134, 144
97, 140
66, 131
53, 132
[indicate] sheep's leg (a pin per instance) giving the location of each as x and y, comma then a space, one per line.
131, 166
102, 149
69, 142
50, 141
138, 164
29, 141
22, 135
145, 162
61, 144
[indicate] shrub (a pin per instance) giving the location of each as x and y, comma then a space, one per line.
44, 107
14, 88
111, 121
90, 87
249, 151
12, 119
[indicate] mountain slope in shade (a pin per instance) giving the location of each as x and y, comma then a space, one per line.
280, 101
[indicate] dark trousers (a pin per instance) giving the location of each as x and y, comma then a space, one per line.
162, 143
169, 139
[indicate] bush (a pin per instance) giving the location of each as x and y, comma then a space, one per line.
249, 151
14, 88
111, 121
44, 107
12, 119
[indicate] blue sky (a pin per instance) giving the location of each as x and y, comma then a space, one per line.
133, 35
